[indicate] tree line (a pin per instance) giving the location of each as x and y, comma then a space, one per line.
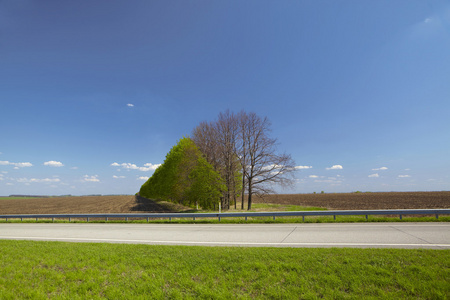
223, 160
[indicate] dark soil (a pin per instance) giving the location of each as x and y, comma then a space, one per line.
360, 201
84, 204
136, 204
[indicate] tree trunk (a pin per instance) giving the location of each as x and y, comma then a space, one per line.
249, 196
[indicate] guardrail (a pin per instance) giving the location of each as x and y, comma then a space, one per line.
303, 214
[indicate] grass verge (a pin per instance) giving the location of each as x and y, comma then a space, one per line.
239, 220
42, 270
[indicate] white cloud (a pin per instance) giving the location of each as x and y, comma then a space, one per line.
118, 177
143, 178
313, 176
16, 165
374, 175
428, 20
93, 178
404, 176
53, 163
39, 180
335, 167
380, 169
151, 166
74, 168
302, 167
130, 166
130, 105
23, 164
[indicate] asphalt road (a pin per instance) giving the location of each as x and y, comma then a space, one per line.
358, 235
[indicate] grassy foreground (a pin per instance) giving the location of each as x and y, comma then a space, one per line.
42, 270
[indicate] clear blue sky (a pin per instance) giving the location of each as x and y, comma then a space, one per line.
93, 94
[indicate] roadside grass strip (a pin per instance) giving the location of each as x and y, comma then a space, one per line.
42, 270
239, 220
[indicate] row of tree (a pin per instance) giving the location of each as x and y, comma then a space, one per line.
185, 177
240, 149
225, 159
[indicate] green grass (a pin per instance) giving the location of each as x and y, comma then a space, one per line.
239, 220
41, 270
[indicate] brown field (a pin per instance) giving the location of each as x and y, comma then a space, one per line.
356, 201
132, 204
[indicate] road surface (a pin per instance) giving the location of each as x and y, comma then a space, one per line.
360, 235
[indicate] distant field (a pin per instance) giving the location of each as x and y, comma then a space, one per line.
131, 204
355, 201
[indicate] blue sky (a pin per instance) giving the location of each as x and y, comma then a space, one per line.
94, 94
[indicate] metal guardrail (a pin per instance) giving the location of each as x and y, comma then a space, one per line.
303, 214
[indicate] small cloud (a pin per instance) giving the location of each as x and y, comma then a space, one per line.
404, 176
374, 175
118, 177
39, 180
130, 105
313, 176
335, 167
380, 169
93, 178
74, 168
428, 20
143, 178
303, 167
53, 163
150, 166
16, 165
130, 166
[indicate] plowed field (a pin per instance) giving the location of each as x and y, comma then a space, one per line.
356, 201
132, 204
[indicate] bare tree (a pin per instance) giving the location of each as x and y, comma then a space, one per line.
217, 141
262, 166
227, 134
242, 142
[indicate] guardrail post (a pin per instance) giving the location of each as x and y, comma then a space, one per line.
53, 220
274, 217
367, 217
219, 218
245, 218
69, 219
148, 219
437, 216
88, 219
126, 219
106, 219
400, 217
193, 218
170, 219
303, 218
334, 217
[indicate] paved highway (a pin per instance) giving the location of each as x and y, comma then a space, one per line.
361, 235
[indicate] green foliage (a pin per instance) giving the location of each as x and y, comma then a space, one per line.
49, 270
185, 177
